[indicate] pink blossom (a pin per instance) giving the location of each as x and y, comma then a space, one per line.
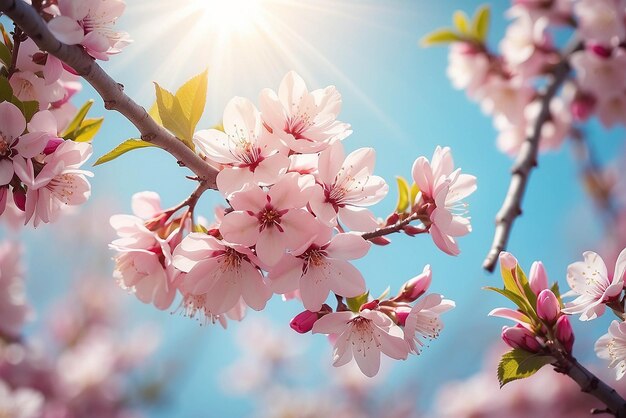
144, 260
27, 86
468, 68
444, 188
590, 280
602, 76
416, 287
321, 268
601, 21
219, 274
548, 306
13, 307
506, 99
20, 402
61, 183
363, 336
305, 121
248, 153
423, 320
273, 221
90, 23
612, 346
347, 186
15, 146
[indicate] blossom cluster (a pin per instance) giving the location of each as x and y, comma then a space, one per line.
44, 138
83, 365
507, 84
297, 215
540, 319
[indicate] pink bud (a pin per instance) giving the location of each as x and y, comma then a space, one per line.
520, 337
600, 50
508, 261
538, 278
402, 313
582, 107
303, 322
564, 333
52, 145
416, 287
380, 241
411, 230
371, 305
548, 308
392, 219
19, 197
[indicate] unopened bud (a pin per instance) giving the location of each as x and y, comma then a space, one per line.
564, 333
538, 278
508, 261
402, 313
548, 307
371, 305
52, 145
19, 197
416, 287
582, 107
600, 50
380, 241
520, 337
303, 322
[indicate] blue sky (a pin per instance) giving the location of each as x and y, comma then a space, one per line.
398, 99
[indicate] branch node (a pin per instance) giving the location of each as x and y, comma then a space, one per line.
110, 104
148, 137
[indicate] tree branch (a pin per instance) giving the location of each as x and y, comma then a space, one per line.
590, 383
112, 93
397, 227
526, 161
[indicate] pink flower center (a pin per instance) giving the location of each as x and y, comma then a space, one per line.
270, 217
297, 125
5, 149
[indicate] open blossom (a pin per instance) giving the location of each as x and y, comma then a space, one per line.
590, 280
90, 23
602, 76
601, 21
468, 67
14, 310
321, 268
61, 182
144, 260
423, 320
612, 346
363, 336
274, 221
444, 188
305, 121
347, 186
15, 146
27, 86
506, 98
218, 275
248, 152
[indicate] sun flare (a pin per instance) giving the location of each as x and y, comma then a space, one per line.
230, 16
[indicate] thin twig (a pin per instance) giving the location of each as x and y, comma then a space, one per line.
112, 93
526, 161
397, 227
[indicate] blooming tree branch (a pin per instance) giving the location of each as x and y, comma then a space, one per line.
526, 161
112, 93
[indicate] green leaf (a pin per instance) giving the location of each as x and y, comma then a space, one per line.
557, 293
461, 21
403, 194
5, 55
384, 294
480, 25
414, 191
88, 129
192, 98
355, 303
154, 114
199, 228
75, 124
520, 364
441, 36
6, 92
123, 148
172, 116
517, 299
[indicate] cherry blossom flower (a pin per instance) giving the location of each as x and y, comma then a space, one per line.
601, 21
274, 221
14, 309
347, 186
305, 121
602, 76
363, 336
27, 86
20, 402
506, 98
144, 259
15, 146
248, 152
468, 68
444, 187
590, 280
321, 268
218, 275
90, 24
61, 183
612, 346
423, 320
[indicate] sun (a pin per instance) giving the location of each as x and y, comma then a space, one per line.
230, 17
